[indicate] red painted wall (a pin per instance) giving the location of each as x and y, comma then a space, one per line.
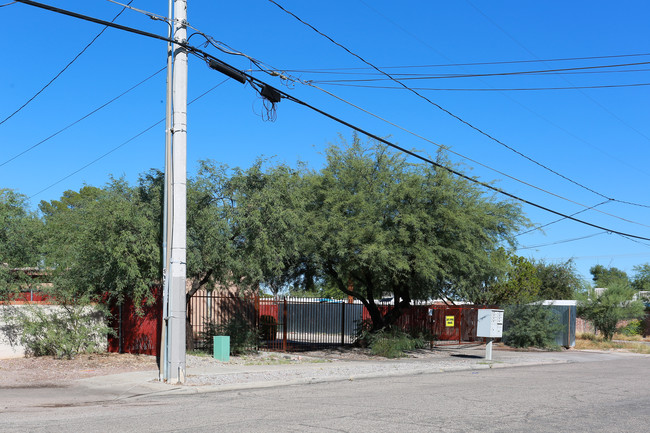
140, 334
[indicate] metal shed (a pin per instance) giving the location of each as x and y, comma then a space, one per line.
566, 311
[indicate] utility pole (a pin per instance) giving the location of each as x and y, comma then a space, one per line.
177, 200
166, 245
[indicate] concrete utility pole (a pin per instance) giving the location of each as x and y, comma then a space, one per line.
175, 371
166, 245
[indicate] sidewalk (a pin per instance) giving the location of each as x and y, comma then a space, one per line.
208, 375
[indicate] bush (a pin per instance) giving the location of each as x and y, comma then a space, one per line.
634, 327
390, 343
62, 331
530, 325
243, 336
611, 306
268, 327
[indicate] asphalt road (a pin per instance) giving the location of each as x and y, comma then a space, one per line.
604, 396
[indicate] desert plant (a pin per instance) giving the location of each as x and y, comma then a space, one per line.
243, 336
62, 331
268, 327
612, 305
391, 343
530, 325
634, 327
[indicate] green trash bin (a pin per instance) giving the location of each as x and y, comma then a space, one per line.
222, 348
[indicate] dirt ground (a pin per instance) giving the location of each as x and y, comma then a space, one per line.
48, 370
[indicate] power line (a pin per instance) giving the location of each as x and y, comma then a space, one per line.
561, 219
439, 106
495, 74
81, 118
220, 45
432, 75
445, 65
474, 161
450, 170
121, 145
507, 95
562, 242
491, 89
62, 70
275, 93
607, 110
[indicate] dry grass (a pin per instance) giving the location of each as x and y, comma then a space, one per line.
596, 342
618, 336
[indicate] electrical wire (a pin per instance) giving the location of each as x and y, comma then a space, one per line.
444, 65
197, 52
81, 118
607, 110
209, 39
7, 4
480, 131
492, 89
506, 95
539, 227
479, 163
62, 70
452, 171
495, 74
121, 145
456, 75
563, 241
272, 71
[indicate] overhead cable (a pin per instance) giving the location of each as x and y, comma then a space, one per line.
586, 95
445, 65
81, 118
62, 70
563, 241
447, 149
465, 122
539, 227
493, 74
206, 56
121, 145
491, 89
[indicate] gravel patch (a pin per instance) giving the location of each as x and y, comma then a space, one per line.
314, 366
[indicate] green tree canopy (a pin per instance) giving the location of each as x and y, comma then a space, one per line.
107, 243
558, 280
21, 235
612, 305
388, 227
641, 278
604, 277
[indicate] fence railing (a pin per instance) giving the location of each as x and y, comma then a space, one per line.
293, 324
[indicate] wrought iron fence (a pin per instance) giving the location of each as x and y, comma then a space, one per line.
293, 324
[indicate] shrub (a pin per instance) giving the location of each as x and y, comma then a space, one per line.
611, 306
268, 327
530, 325
243, 336
634, 327
391, 343
62, 331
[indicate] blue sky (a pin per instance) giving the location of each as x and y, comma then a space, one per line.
598, 138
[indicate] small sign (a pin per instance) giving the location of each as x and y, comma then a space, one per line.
449, 321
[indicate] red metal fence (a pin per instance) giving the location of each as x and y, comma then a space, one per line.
291, 324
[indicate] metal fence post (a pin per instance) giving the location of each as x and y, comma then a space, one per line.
284, 327
342, 323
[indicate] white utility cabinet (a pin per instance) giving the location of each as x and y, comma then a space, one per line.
489, 323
